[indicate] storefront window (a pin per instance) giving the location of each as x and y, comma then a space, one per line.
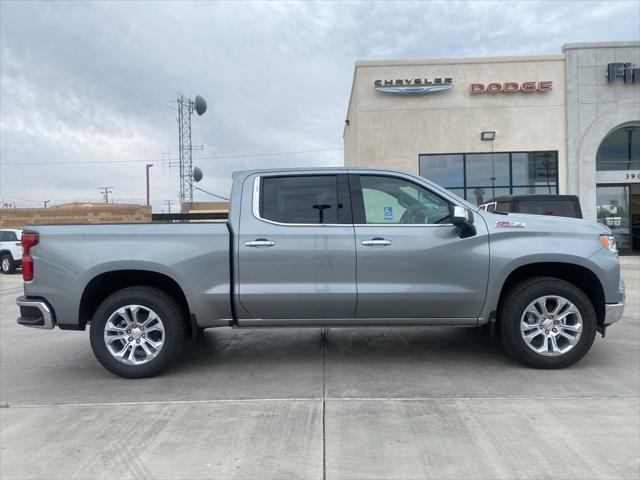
479, 177
535, 168
480, 195
487, 169
445, 170
620, 150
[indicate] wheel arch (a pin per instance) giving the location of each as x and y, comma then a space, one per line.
104, 284
578, 275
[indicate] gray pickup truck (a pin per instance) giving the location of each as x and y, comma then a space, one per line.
326, 248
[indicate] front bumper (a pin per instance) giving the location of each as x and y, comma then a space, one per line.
613, 312
35, 313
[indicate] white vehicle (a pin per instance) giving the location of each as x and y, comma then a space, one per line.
10, 250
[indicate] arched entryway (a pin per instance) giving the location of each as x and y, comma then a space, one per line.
618, 189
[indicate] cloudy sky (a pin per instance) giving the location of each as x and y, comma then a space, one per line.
86, 86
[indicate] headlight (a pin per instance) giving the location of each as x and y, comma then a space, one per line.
609, 242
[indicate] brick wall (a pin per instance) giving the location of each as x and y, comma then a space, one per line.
75, 213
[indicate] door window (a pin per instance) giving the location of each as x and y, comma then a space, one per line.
397, 201
300, 199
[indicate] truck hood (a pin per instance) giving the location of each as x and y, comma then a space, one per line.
541, 223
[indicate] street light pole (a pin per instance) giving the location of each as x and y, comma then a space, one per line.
149, 165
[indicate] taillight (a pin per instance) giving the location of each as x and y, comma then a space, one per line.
28, 240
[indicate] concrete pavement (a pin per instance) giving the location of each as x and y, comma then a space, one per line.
377, 403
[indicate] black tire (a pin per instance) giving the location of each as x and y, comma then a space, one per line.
516, 301
7, 264
164, 306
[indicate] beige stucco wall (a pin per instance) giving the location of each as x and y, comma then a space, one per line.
391, 131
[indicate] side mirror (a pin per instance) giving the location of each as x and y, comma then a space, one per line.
463, 220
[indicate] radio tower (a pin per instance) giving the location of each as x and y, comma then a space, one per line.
186, 107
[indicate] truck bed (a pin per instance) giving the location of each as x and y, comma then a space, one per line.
193, 255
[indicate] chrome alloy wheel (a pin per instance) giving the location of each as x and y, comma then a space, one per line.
5, 264
551, 325
134, 334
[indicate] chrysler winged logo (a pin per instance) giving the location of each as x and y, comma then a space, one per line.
413, 85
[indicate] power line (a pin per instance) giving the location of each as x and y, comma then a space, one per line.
213, 194
168, 159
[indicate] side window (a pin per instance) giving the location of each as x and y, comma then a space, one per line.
300, 199
397, 201
11, 237
3, 236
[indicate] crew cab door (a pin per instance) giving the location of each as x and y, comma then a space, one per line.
411, 261
296, 249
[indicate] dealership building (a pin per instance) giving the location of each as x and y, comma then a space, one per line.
485, 127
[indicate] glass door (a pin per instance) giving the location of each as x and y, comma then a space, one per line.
613, 211
634, 209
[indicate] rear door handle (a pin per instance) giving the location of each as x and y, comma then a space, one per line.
376, 242
260, 242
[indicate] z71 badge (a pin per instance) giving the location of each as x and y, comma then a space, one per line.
507, 224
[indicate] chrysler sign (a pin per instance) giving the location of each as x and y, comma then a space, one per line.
413, 85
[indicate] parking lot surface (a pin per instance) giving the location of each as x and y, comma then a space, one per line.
403, 403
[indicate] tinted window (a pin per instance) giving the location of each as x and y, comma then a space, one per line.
394, 200
502, 207
620, 150
3, 236
300, 199
10, 237
558, 208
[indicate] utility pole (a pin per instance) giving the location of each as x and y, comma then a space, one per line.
46, 202
168, 203
105, 191
149, 165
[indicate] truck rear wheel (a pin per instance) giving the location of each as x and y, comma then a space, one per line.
547, 322
137, 332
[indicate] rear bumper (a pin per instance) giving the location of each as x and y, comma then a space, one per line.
35, 313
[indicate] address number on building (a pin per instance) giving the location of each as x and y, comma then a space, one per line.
632, 176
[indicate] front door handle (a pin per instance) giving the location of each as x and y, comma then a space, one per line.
260, 242
376, 242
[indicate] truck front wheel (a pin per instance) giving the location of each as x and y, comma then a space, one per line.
137, 332
547, 322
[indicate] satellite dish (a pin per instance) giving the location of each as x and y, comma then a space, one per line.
201, 105
197, 173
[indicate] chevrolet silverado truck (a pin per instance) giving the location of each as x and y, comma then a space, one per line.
325, 248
